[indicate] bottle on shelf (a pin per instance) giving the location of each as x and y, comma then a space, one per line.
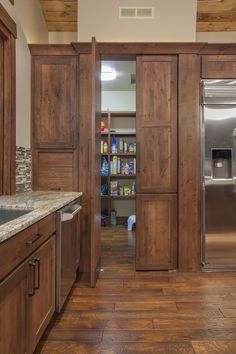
125, 147
102, 128
121, 145
133, 188
105, 147
104, 169
102, 146
113, 145
118, 165
113, 218
114, 165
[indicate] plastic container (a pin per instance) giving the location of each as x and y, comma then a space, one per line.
113, 218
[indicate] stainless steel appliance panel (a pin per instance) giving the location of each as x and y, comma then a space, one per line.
219, 160
219, 91
66, 252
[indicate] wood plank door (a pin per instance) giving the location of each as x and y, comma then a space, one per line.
13, 311
54, 101
42, 303
94, 165
156, 232
156, 124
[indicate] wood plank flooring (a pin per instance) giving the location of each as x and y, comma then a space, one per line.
145, 312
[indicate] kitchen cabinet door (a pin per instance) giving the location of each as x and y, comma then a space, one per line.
13, 312
156, 232
156, 124
55, 170
42, 304
54, 101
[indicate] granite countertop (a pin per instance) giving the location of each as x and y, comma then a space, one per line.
41, 204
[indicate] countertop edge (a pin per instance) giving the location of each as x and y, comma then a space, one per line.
39, 214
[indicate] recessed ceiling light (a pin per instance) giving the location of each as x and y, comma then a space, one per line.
108, 74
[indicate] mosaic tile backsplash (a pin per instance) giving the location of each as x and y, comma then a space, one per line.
23, 169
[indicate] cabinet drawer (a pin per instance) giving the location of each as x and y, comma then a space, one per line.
218, 66
20, 246
54, 170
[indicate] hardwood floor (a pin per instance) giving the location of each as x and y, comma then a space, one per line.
145, 312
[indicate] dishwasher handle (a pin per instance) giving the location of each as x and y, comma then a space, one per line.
70, 213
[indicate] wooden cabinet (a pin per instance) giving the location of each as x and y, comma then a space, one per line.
55, 170
156, 232
54, 101
42, 304
13, 312
156, 124
55, 120
27, 286
219, 66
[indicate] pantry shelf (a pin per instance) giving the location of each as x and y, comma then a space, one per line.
120, 197
122, 154
118, 159
122, 176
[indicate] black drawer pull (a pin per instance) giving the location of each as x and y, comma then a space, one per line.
36, 238
37, 260
32, 266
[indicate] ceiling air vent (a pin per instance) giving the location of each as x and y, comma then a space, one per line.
136, 12
145, 12
127, 12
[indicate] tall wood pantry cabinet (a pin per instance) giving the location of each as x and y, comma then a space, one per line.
156, 208
168, 179
55, 122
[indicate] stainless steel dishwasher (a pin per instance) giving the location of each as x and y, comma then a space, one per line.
67, 239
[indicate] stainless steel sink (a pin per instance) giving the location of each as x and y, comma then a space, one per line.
7, 215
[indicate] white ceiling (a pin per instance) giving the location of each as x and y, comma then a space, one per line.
123, 80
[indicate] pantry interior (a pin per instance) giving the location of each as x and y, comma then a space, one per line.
118, 143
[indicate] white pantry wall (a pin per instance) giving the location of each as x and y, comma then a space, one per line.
30, 28
175, 20
119, 100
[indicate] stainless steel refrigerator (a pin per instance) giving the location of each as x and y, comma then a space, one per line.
219, 172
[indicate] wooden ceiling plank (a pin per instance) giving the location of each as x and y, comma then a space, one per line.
216, 26
58, 5
226, 16
60, 16
216, 6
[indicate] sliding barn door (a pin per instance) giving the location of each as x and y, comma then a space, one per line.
94, 164
156, 242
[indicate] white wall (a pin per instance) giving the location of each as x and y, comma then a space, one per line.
216, 37
30, 15
119, 100
28, 30
175, 20
62, 37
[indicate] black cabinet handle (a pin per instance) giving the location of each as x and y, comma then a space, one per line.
36, 238
37, 260
32, 267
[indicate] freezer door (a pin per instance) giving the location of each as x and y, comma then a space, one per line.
219, 91
219, 176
